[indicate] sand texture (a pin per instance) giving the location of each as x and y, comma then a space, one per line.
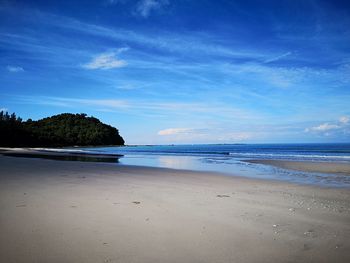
61, 211
309, 166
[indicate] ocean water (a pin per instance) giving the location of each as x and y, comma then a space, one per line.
230, 159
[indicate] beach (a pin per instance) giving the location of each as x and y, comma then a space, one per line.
309, 166
65, 211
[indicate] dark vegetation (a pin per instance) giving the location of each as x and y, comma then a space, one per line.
57, 131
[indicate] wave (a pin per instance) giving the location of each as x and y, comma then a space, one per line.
302, 152
291, 155
241, 155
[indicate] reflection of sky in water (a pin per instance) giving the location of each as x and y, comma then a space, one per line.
176, 163
232, 166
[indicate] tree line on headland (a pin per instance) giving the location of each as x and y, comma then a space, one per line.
57, 131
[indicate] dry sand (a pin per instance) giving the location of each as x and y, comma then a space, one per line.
56, 211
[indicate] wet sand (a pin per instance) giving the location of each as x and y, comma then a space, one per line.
61, 154
308, 166
54, 211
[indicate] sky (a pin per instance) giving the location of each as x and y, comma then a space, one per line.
182, 71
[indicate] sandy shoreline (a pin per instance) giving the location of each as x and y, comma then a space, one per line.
55, 211
308, 166
61, 154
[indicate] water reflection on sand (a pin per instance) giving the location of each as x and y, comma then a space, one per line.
232, 166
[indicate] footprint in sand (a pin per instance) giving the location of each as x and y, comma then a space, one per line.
306, 247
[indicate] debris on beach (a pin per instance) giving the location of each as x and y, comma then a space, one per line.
222, 196
310, 233
137, 202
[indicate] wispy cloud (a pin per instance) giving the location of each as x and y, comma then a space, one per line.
238, 136
113, 2
344, 119
278, 57
212, 134
174, 131
74, 102
14, 69
107, 60
145, 7
141, 106
142, 8
323, 127
184, 43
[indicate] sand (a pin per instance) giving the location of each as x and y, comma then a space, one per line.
309, 166
61, 211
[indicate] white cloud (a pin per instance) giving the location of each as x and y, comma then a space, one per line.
107, 61
145, 7
14, 68
323, 127
175, 131
344, 119
201, 135
335, 129
3, 109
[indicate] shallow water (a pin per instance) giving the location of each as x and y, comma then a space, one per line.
230, 159
316, 152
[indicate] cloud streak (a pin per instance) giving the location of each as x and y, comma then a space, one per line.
145, 7
205, 135
106, 61
344, 119
141, 106
323, 127
278, 57
186, 43
176, 131
14, 69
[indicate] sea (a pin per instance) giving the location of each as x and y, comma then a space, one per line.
230, 159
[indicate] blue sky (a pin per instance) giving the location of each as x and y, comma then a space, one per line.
166, 71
